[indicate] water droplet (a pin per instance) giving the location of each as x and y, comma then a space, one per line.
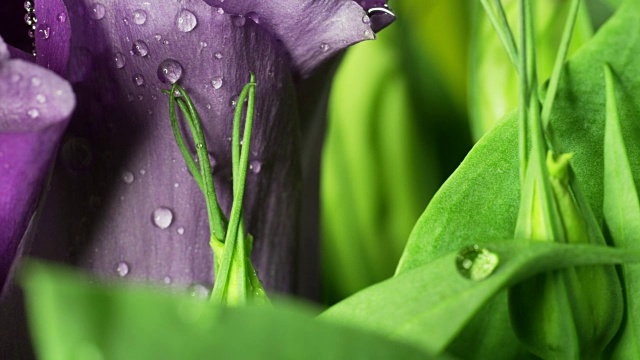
41, 98
118, 60
255, 166
43, 31
169, 71
143, 171
176, 185
15, 78
140, 48
122, 269
186, 21
33, 113
367, 33
220, 11
254, 17
180, 231
158, 37
62, 17
216, 82
138, 79
162, 217
140, 97
198, 291
167, 280
476, 263
127, 176
36, 82
28, 5
238, 20
233, 102
324, 47
166, 42
139, 17
366, 19
218, 55
31, 33
208, 106
96, 11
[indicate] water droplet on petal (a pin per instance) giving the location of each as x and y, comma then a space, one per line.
167, 280
62, 17
36, 82
28, 5
254, 17
233, 102
162, 217
122, 269
118, 60
255, 166
140, 48
218, 55
367, 33
127, 176
138, 79
158, 37
186, 21
169, 71
216, 82
143, 171
203, 44
33, 113
198, 291
476, 263
219, 10
324, 47
180, 231
366, 19
43, 31
139, 17
96, 11
41, 98
238, 20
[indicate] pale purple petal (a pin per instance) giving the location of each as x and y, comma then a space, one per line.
35, 105
53, 35
311, 30
122, 202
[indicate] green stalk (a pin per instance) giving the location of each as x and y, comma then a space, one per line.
501, 25
193, 168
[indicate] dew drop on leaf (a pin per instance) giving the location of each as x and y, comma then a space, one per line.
476, 263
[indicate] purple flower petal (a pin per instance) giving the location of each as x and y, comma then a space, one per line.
311, 31
122, 202
19, 54
53, 35
35, 106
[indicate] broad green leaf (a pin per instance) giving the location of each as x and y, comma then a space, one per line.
622, 214
493, 79
73, 318
480, 200
378, 173
428, 306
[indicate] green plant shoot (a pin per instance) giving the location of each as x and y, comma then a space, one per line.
236, 281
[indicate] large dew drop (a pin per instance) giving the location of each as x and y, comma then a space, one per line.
169, 71
122, 269
216, 82
476, 263
127, 176
162, 217
139, 17
96, 11
140, 48
186, 21
138, 79
198, 291
118, 60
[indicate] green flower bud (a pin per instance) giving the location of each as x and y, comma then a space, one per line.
572, 313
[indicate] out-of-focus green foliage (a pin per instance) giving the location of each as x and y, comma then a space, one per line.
493, 84
73, 318
394, 103
481, 199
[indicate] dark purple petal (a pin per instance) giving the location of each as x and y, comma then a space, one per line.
53, 35
122, 202
310, 30
380, 17
35, 106
19, 54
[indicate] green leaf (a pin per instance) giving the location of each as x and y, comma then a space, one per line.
480, 200
622, 214
428, 306
73, 318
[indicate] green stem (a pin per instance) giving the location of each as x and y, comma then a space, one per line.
501, 25
216, 222
559, 62
193, 168
524, 97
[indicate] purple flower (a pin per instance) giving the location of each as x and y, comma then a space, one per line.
121, 201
